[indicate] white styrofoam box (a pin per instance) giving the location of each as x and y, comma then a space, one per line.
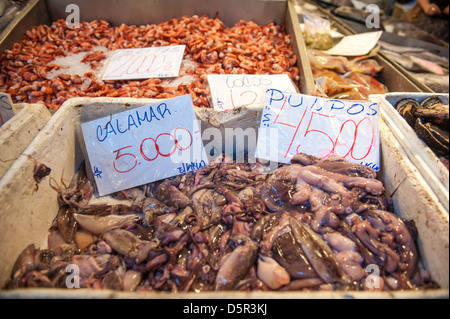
27, 211
19, 131
435, 174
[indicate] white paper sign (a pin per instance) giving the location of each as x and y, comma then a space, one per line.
233, 90
297, 123
144, 145
356, 45
144, 63
6, 109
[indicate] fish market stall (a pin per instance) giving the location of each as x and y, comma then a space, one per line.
159, 187
54, 147
62, 62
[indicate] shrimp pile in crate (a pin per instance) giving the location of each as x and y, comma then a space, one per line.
54, 63
313, 225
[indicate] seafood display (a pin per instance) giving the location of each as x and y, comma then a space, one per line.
54, 63
315, 224
342, 78
429, 119
311, 225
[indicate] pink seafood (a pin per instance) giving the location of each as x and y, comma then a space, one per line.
237, 264
32, 71
271, 273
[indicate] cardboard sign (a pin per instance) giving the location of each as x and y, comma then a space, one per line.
232, 90
144, 145
6, 109
297, 123
144, 63
356, 45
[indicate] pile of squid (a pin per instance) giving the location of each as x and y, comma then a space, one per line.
315, 224
342, 78
30, 71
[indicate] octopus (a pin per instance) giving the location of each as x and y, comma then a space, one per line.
31, 70
340, 78
314, 224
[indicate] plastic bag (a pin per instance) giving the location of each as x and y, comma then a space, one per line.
321, 60
366, 66
317, 32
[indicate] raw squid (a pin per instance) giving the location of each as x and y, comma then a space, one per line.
315, 224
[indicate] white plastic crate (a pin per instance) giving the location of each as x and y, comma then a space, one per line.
26, 213
19, 131
435, 174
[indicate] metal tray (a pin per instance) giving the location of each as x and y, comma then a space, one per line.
395, 77
56, 145
26, 213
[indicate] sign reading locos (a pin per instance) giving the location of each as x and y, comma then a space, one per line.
144, 145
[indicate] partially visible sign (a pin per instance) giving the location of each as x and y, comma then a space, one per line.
144, 63
233, 90
144, 145
6, 109
320, 127
356, 45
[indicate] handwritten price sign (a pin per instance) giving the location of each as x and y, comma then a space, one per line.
6, 109
144, 145
233, 90
321, 127
144, 63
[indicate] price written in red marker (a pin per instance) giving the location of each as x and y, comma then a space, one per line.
319, 127
144, 63
143, 145
151, 148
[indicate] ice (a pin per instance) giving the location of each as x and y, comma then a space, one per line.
183, 77
174, 82
72, 65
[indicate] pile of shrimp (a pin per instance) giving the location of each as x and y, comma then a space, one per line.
27, 71
312, 225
